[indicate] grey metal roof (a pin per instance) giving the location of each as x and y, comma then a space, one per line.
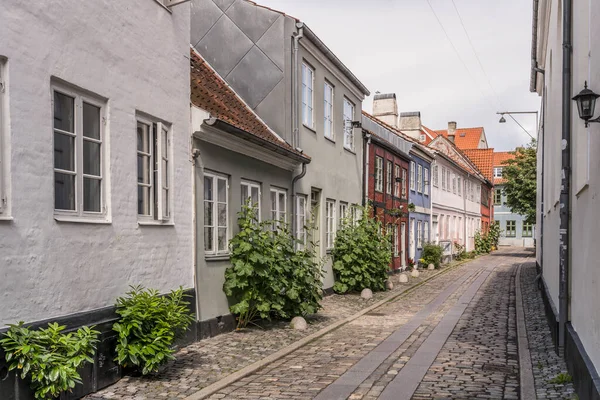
381, 96
411, 114
403, 145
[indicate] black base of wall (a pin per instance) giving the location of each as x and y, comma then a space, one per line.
103, 372
585, 376
216, 326
551, 315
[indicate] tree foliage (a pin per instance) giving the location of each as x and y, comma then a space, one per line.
520, 186
361, 255
268, 277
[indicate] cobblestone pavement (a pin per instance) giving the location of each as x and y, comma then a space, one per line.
546, 364
205, 362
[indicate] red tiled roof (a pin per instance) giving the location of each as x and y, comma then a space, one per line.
430, 134
210, 92
465, 138
483, 160
464, 162
500, 159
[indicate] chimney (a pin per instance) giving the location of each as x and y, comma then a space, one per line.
385, 108
451, 130
410, 124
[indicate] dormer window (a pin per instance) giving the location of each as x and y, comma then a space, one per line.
497, 172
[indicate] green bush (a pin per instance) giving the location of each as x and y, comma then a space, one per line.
148, 327
432, 254
485, 242
361, 255
268, 277
48, 357
459, 251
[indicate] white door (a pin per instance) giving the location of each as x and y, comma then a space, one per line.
403, 244
411, 239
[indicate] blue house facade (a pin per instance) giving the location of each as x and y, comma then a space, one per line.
419, 200
514, 230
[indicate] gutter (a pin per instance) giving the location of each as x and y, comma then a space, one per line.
565, 206
294, 201
534, 39
366, 169
295, 114
242, 134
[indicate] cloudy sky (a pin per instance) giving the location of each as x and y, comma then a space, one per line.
399, 46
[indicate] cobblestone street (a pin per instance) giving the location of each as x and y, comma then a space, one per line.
452, 337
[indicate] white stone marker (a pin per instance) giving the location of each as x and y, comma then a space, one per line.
414, 273
403, 278
366, 294
298, 323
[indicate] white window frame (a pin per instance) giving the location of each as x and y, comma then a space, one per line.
356, 214
443, 178
348, 128
419, 178
343, 213
388, 175
160, 213
4, 158
278, 211
79, 97
435, 176
397, 180
426, 237
419, 234
328, 127
459, 186
330, 223
379, 174
453, 183
215, 223
395, 238
497, 172
247, 186
412, 176
301, 233
308, 93
404, 173
426, 181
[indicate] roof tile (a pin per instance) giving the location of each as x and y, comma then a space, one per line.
465, 138
483, 160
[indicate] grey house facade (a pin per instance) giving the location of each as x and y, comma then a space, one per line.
302, 91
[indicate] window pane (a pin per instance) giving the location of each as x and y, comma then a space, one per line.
91, 158
63, 112
165, 173
91, 121
64, 152
143, 200
222, 190
64, 191
208, 239
222, 239
91, 194
222, 213
143, 142
208, 213
165, 143
208, 188
143, 169
273, 201
282, 202
165, 199
254, 195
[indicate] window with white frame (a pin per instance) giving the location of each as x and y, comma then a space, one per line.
497, 172
343, 213
453, 183
348, 129
426, 238
79, 153
279, 205
419, 235
301, 233
250, 191
3, 135
378, 174
154, 170
329, 223
460, 228
412, 175
216, 214
403, 183
448, 179
396, 180
328, 111
435, 175
426, 182
443, 178
420, 178
395, 239
388, 177
308, 81
356, 214
459, 186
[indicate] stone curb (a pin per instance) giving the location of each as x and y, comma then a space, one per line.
229, 379
527, 381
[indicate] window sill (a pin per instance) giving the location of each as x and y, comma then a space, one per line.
313, 130
217, 257
332, 140
6, 218
82, 220
156, 223
349, 150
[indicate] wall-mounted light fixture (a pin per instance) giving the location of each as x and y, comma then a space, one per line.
586, 104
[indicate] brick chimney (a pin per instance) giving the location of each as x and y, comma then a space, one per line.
410, 124
385, 108
451, 130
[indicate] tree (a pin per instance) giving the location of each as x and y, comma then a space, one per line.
520, 186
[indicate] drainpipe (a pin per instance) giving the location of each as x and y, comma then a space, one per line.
565, 207
465, 214
366, 170
543, 137
294, 201
295, 115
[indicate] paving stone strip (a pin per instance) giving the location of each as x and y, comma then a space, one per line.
526, 373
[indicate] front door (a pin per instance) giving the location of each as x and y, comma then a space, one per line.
403, 244
411, 239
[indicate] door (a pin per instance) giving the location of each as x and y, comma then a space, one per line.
411, 239
403, 244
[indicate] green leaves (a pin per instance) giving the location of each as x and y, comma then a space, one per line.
362, 255
268, 278
521, 182
432, 254
48, 357
149, 326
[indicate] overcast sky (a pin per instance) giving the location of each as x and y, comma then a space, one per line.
398, 46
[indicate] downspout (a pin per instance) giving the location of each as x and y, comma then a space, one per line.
296, 121
294, 201
465, 214
565, 207
543, 137
366, 170
431, 166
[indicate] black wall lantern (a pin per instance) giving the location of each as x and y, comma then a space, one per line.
586, 104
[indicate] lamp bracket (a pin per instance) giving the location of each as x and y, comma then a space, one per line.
591, 120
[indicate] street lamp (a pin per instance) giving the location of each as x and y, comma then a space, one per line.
509, 113
586, 103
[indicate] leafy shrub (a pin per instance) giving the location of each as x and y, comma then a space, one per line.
268, 277
361, 255
484, 243
459, 251
149, 325
48, 357
432, 254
